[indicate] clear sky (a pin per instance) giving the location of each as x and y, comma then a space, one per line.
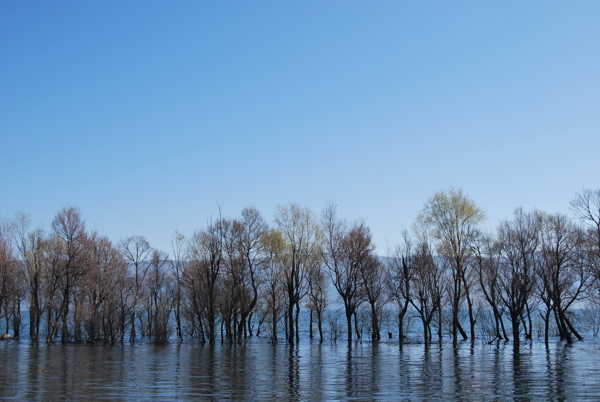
147, 115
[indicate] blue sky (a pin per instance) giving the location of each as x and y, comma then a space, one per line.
149, 115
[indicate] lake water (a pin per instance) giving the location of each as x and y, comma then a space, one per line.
259, 370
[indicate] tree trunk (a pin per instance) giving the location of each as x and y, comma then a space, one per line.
290, 315
462, 332
515, 327
65, 315
563, 325
455, 307
572, 328
546, 319
296, 322
400, 327
440, 332
530, 322
274, 315
349, 322
376, 334
320, 324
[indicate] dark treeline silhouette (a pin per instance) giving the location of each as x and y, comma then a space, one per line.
242, 277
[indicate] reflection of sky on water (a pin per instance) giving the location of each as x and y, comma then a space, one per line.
309, 371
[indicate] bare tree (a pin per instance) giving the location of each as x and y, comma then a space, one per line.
29, 245
426, 288
358, 257
160, 286
12, 287
400, 272
233, 289
51, 295
317, 293
193, 307
563, 276
178, 244
106, 283
116, 307
206, 261
69, 229
345, 275
137, 251
519, 242
362, 252
249, 250
488, 259
301, 235
586, 206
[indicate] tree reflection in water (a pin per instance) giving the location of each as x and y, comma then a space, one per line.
306, 371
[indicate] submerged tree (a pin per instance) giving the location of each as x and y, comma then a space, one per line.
518, 242
30, 247
161, 300
250, 234
69, 230
301, 235
273, 291
453, 220
204, 275
562, 272
488, 260
586, 206
345, 276
177, 265
107, 292
399, 276
317, 293
12, 286
362, 252
137, 251
427, 287
237, 272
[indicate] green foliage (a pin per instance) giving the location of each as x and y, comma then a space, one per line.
452, 219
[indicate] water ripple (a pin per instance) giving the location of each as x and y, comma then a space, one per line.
259, 370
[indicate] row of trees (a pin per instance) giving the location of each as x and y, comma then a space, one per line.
241, 276
534, 263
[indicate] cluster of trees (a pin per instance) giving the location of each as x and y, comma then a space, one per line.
534, 263
241, 276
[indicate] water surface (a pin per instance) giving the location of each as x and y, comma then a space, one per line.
259, 370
